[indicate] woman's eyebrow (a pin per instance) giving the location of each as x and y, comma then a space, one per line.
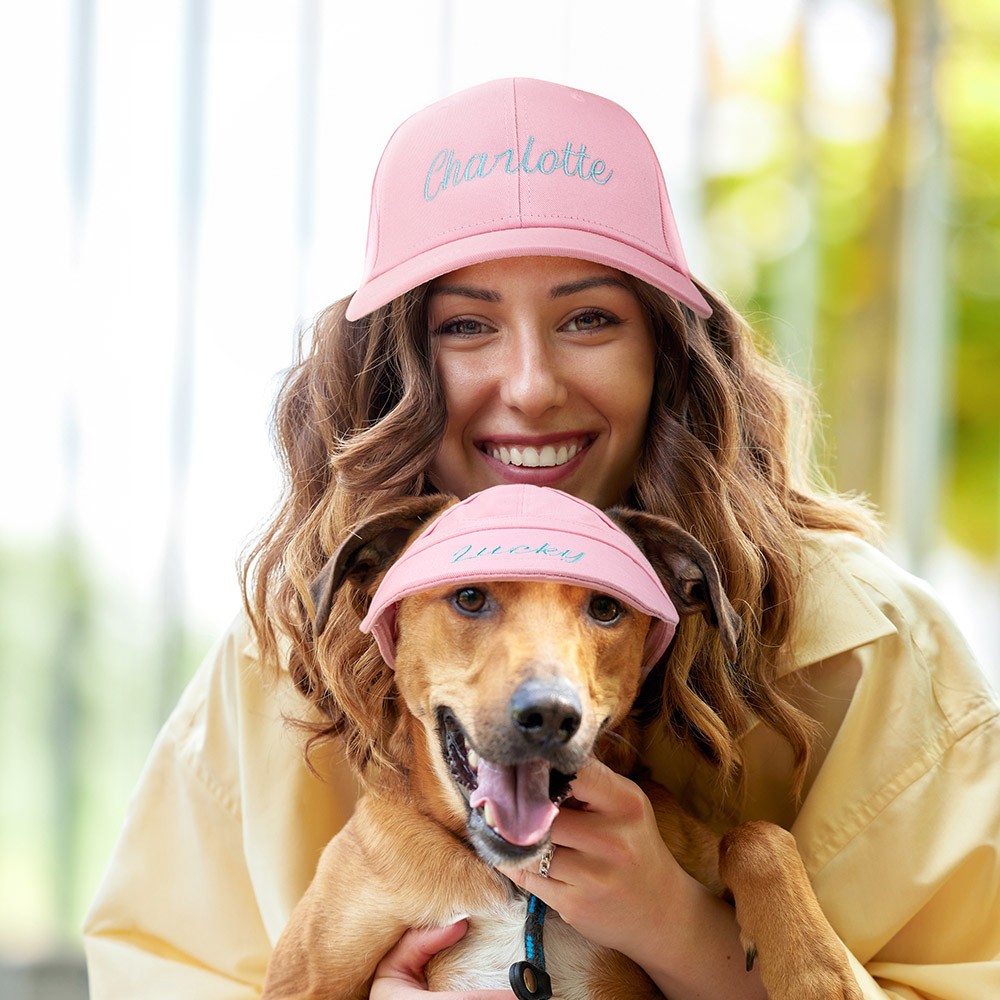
572, 287
466, 291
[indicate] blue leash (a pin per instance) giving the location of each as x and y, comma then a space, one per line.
528, 979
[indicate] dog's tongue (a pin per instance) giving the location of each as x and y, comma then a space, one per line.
519, 797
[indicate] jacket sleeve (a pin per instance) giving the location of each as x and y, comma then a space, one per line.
220, 840
901, 830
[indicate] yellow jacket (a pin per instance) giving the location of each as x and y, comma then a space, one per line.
899, 829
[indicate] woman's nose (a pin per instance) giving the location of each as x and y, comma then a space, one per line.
532, 381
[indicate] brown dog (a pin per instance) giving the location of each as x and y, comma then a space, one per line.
533, 677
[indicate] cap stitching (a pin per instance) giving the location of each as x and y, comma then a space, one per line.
433, 541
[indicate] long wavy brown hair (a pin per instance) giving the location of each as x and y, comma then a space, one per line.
357, 423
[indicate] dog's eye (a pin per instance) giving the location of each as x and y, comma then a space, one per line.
604, 609
470, 599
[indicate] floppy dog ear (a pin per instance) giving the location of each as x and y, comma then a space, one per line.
369, 550
686, 568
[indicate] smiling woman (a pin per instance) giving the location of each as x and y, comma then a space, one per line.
546, 365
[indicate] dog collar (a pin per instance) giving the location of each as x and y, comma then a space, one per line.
517, 532
528, 979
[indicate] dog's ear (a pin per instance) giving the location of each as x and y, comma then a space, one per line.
369, 549
686, 568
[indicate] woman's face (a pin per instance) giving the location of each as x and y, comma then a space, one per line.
547, 369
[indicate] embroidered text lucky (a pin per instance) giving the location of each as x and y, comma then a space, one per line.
545, 549
448, 170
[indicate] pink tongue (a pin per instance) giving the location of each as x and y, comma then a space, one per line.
519, 796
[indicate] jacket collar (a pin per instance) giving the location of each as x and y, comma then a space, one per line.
835, 612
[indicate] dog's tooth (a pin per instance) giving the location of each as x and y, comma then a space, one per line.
473, 760
488, 816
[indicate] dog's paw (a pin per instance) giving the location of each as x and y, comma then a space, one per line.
804, 971
818, 985
782, 927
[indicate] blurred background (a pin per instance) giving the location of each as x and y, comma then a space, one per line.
185, 184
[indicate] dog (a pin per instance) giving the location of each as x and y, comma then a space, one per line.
514, 664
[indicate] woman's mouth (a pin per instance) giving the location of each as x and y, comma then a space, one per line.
543, 456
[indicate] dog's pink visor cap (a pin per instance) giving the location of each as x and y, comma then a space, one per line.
524, 532
516, 168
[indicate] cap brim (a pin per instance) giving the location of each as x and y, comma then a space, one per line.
525, 242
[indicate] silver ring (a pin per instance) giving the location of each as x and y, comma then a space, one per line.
543, 865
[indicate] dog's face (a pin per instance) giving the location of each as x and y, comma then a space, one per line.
510, 684
513, 682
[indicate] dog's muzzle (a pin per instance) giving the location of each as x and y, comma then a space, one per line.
511, 804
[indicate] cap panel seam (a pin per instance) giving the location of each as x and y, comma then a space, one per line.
517, 139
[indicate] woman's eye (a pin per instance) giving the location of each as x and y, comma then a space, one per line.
588, 321
470, 599
461, 327
605, 610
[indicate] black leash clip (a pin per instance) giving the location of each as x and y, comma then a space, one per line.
530, 982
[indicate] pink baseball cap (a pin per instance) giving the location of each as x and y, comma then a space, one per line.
519, 532
518, 168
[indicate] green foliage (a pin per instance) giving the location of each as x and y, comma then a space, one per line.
970, 104
811, 241
79, 715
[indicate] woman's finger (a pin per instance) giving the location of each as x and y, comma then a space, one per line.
547, 889
400, 975
608, 807
597, 788
406, 961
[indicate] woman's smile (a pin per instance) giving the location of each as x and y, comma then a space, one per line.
547, 370
536, 454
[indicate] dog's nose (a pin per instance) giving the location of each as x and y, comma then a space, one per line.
546, 712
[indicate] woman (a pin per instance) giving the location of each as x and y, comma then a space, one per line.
527, 315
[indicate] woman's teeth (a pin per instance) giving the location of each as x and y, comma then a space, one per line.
535, 458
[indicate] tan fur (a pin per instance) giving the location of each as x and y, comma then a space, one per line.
404, 859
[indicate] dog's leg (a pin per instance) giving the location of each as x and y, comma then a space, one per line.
781, 923
334, 938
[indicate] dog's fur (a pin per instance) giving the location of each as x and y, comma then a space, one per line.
416, 854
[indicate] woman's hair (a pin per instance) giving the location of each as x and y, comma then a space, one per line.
357, 423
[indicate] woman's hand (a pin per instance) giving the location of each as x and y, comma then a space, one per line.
614, 880
611, 874
400, 975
